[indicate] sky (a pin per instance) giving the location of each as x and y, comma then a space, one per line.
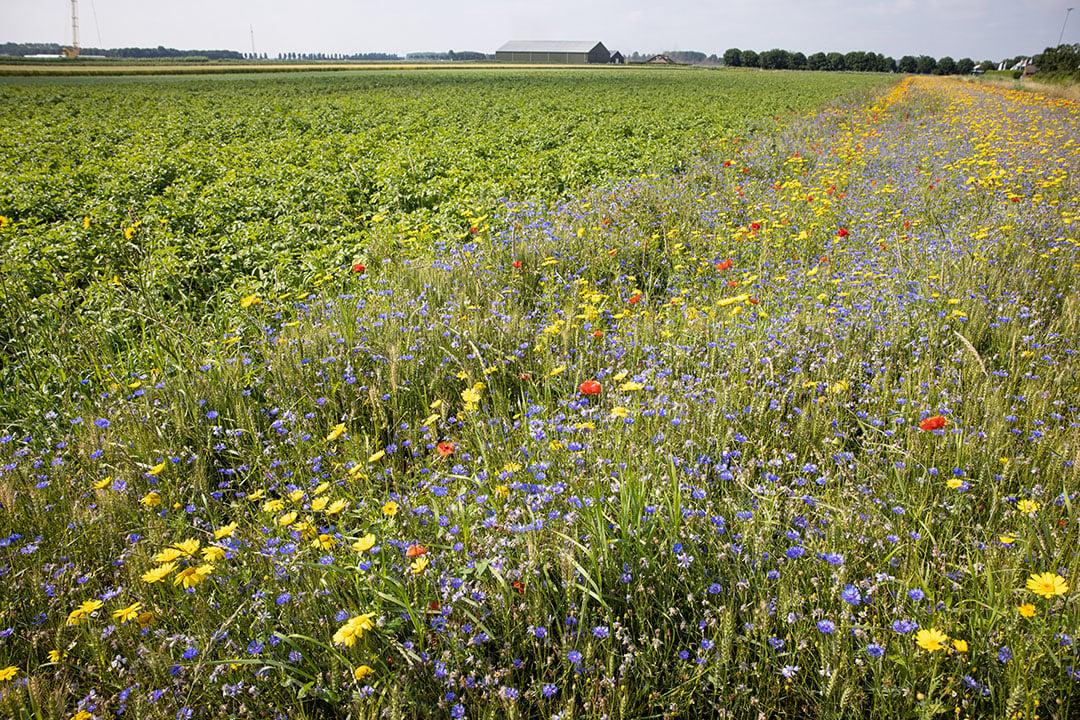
979, 29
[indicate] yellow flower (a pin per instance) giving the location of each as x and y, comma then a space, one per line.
224, 531
362, 672
336, 432
1026, 610
126, 615
365, 543
144, 619
159, 573
376, 457
249, 300
931, 640
324, 542
156, 470
287, 519
323, 487
151, 499
192, 576
354, 629
390, 508
631, 386
83, 714
337, 506
167, 555
188, 547
101, 484
960, 645
296, 495
8, 673
954, 483
1027, 507
1048, 585
319, 503
271, 506
56, 656
1007, 539
213, 553
501, 491
419, 565
619, 412
83, 611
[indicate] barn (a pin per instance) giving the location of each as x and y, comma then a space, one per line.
561, 52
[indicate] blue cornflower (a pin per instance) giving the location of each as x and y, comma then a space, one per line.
600, 631
1004, 655
851, 595
574, 656
826, 626
874, 650
714, 588
549, 689
916, 594
795, 552
905, 626
707, 644
102, 423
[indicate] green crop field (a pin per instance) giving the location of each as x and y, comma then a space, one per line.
565, 393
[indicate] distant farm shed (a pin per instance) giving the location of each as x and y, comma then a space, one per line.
562, 52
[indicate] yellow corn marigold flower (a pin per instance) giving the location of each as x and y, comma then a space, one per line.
84, 714
362, 672
296, 495
146, 618
324, 542
365, 543
376, 456
271, 506
631, 386
225, 531
960, 645
192, 576
101, 484
319, 503
1026, 610
390, 508
287, 519
156, 470
213, 553
159, 573
336, 432
188, 547
337, 506
354, 629
167, 555
151, 499
56, 656
8, 673
954, 483
249, 300
419, 565
126, 615
1047, 584
931, 640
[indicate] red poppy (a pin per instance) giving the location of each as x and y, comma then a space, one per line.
445, 448
518, 587
753, 301
907, 223
934, 422
590, 387
516, 264
473, 230
598, 334
358, 268
636, 297
415, 551
723, 265
755, 226
733, 283
843, 232
524, 376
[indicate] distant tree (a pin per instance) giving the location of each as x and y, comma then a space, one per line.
890, 65
836, 62
798, 61
907, 64
858, 61
946, 66
733, 57
925, 65
817, 61
775, 59
749, 58
1061, 61
686, 57
965, 66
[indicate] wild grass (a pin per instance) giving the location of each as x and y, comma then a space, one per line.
787, 434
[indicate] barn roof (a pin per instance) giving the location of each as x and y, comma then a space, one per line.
550, 46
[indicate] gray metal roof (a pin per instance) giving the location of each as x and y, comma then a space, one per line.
550, 46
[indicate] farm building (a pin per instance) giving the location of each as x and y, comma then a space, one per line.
564, 52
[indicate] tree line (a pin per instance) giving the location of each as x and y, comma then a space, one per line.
24, 49
855, 61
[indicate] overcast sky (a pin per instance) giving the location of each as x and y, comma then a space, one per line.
980, 29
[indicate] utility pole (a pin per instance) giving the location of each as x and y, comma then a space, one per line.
75, 28
1062, 33
252, 40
